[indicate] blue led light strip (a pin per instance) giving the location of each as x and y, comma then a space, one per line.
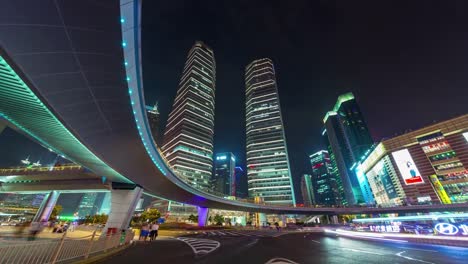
131, 50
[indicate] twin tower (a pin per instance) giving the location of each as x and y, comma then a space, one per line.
188, 138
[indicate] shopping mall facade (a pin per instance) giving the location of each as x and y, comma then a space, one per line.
429, 165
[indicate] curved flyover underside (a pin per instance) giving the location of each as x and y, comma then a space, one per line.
71, 78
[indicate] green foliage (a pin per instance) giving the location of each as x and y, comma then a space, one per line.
150, 215
96, 219
218, 219
55, 212
192, 218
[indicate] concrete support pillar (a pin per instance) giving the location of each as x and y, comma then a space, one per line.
334, 220
47, 205
284, 220
261, 219
123, 204
203, 214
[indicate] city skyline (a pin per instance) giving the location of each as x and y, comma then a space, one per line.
321, 50
257, 102
308, 72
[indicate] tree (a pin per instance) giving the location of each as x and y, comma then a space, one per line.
218, 219
96, 219
150, 215
192, 218
55, 212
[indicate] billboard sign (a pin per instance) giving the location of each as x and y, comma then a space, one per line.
407, 168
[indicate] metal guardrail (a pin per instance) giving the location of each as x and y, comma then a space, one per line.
60, 250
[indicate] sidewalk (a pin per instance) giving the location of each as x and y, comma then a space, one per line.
9, 233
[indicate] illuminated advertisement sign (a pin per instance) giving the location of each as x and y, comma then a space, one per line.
221, 158
407, 168
393, 228
446, 229
440, 190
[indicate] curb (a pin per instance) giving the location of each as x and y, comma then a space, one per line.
102, 256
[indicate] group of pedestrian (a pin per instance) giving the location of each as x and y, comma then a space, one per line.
149, 230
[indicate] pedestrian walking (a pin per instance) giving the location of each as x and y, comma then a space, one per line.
34, 230
277, 226
154, 231
144, 232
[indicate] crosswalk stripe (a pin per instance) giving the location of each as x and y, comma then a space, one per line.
245, 233
201, 246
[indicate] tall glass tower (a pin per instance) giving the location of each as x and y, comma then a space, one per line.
154, 122
307, 190
188, 138
326, 187
269, 176
349, 139
224, 178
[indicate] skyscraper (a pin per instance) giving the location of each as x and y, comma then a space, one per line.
307, 190
241, 183
326, 186
269, 176
224, 178
154, 122
188, 138
333, 170
349, 139
87, 205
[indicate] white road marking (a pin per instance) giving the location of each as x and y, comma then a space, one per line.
280, 261
428, 250
399, 254
245, 233
252, 243
201, 246
315, 241
362, 251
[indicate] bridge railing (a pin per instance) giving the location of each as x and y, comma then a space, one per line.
64, 249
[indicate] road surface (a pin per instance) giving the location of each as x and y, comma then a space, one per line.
270, 247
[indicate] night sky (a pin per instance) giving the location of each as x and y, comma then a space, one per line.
405, 61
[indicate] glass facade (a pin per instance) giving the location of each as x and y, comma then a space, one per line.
307, 190
269, 176
326, 189
241, 183
333, 170
349, 139
384, 183
224, 179
188, 138
154, 123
